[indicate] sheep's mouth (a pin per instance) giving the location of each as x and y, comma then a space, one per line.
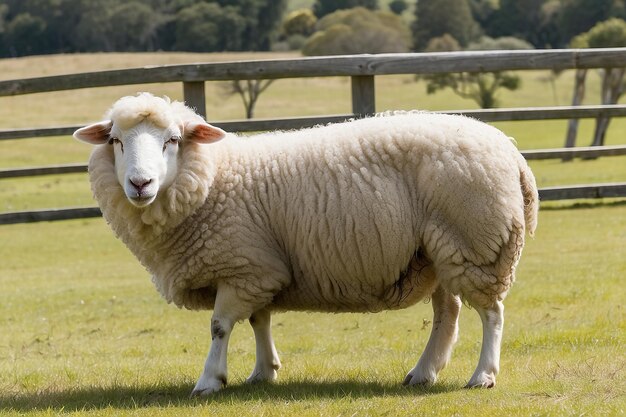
142, 200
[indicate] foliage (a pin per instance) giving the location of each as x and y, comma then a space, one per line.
140, 23
485, 43
23, 32
323, 7
608, 34
445, 43
207, 26
299, 22
520, 18
483, 11
480, 87
357, 31
53, 26
547, 23
398, 6
577, 16
433, 19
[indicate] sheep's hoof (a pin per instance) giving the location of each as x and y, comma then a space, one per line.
419, 379
260, 376
205, 388
482, 380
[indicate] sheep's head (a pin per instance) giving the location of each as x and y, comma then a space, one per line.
146, 133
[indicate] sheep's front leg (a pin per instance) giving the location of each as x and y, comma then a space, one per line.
446, 309
229, 308
267, 362
489, 363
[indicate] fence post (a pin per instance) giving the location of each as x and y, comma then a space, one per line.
363, 95
193, 92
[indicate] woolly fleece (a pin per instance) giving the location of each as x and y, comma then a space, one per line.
364, 215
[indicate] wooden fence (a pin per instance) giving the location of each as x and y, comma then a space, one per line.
361, 69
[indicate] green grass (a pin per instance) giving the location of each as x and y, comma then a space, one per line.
83, 331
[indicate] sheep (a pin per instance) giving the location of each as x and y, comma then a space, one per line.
362, 216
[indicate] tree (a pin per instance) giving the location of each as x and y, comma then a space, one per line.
4, 9
207, 27
52, 26
140, 23
607, 34
445, 43
249, 91
323, 7
480, 87
483, 11
22, 34
434, 19
531, 20
398, 6
263, 27
578, 16
357, 31
299, 22
578, 96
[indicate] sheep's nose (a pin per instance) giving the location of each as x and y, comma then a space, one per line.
139, 183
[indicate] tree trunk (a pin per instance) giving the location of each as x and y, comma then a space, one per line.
572, 124
611, 91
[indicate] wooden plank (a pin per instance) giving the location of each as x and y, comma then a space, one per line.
542, 113
7, 134
583, 191
245, 125
487, 115
48, 170
49, 215
536, 154
346, 65
363, 95
193, 91
581, 152
545, 194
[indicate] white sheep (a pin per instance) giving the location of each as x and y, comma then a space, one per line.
362, 216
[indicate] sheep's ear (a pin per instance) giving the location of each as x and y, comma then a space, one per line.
95, 134
203, 132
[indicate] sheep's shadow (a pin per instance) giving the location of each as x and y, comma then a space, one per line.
178, 395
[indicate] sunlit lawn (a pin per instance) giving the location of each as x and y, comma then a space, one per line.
83, 330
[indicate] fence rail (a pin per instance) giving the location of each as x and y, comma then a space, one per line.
590, 191
346, 65
362, 70
255, 125
537, 154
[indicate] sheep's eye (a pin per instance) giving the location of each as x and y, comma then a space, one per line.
171, 141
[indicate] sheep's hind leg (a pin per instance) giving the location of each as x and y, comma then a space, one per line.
446, 309
267, 362
229, 308
489, 363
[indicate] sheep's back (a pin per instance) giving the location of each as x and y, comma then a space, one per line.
341, 211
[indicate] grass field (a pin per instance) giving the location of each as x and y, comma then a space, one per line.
83, 332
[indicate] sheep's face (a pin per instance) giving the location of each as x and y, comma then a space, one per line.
147, 156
